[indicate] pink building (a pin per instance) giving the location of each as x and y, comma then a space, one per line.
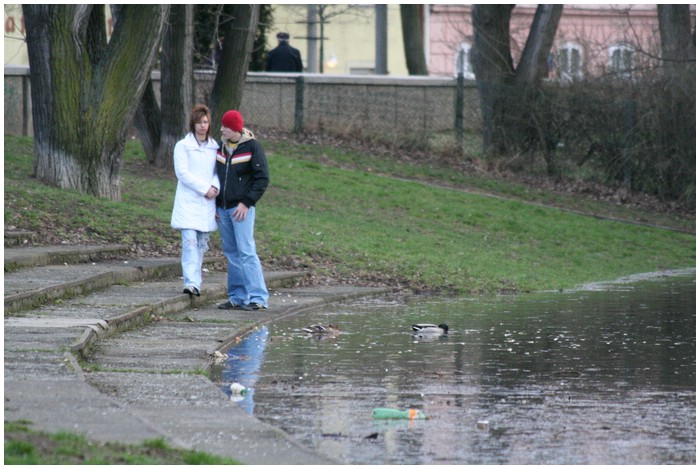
591, 39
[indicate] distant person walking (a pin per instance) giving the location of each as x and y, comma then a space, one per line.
194, 210
283, 58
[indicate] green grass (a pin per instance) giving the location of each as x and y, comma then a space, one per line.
435, 171
26, 446
372, 225
347, 215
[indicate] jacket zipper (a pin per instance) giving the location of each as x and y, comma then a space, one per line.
228, 163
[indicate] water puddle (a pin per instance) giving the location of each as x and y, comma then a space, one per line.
603, 375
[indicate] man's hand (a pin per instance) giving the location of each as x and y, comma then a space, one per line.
240, 212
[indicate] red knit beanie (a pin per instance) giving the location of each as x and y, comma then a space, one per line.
233, 120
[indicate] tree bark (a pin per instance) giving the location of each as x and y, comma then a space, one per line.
85, 100
677, 40
176, 92
509, 97
677, 100
238, 29
412, 27
147, 122
493, 69
533, 62
160, 126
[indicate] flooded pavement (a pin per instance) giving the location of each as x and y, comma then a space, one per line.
603, 375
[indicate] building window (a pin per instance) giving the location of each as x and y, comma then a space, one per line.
569, 61
621, 59
463, 53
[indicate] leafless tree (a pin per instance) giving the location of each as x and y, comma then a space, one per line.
506, 93
159, 127
85, 90
412, 28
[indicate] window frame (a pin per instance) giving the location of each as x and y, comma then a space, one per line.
567, 74
627, 68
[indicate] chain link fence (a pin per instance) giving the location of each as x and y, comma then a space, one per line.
382, 109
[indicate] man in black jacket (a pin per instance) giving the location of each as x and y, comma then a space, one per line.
243, 176
283, 58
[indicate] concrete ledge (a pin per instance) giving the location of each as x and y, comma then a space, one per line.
138, 269
17, 258
142, 315
18, 238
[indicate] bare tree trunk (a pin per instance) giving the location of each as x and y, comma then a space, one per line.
493, 69
533, 62
176, 92
677, 39
160, 126
510, 98
239, 33
147, 122
677, 100
412, 27
84, 99
529, 127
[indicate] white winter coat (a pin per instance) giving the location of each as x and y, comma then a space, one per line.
195, 171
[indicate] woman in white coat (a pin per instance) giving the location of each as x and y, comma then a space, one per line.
194, 211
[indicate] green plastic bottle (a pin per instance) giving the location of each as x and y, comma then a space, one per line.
409, 414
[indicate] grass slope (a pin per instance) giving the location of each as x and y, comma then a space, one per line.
350, 218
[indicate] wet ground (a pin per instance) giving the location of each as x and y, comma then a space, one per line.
604, 375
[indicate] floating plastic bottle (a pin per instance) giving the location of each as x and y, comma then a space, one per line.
409, 414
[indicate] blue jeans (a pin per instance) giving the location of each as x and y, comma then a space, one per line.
194, 245
246, 283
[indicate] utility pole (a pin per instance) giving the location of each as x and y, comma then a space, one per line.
380, 44
312, 38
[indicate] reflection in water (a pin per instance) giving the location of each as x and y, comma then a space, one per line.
243, 366
584, 377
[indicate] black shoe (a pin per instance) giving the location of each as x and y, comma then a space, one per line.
229, 305
257, 306
192, 291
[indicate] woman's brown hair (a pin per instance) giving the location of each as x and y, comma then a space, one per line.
198, 112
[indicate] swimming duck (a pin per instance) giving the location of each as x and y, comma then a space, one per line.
430, 328
322, 329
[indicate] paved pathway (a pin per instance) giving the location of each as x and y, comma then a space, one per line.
110, 348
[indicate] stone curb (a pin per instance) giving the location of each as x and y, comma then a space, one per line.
17, 238
33, 298
16, 258
143, 314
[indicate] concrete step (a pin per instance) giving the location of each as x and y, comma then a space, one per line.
33, 286
33, 256
19, 238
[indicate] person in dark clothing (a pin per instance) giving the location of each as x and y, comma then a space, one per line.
283, 58
243, 178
